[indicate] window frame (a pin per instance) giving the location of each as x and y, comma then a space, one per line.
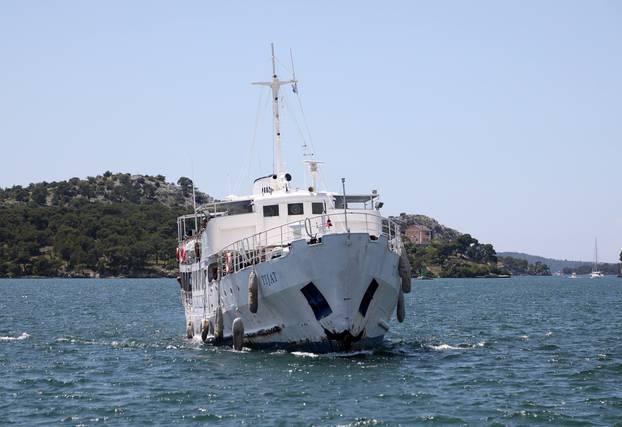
322, 206
300, 204
268, 211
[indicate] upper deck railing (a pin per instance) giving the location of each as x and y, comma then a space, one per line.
275, 242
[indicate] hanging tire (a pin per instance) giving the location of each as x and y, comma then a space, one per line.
253, 291
238, 334
205, 330
401, 309
219, 327
405, 271
190, 330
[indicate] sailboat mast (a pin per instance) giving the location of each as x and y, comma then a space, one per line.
275, 85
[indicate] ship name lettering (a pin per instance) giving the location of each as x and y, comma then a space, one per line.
269, 279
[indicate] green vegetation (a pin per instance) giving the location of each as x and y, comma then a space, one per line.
120, 239
523, 267
463, 256
106, 188
110, 225
448, 253
554, 264
125, 225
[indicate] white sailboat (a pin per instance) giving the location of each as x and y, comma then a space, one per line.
290, 267
596, 273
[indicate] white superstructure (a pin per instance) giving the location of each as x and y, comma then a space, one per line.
290, 267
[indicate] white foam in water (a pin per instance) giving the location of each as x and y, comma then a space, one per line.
331, 355
441, 347
304, 354
23, 336
445, 347
350, 353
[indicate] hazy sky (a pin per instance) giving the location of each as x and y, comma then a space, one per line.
501, 119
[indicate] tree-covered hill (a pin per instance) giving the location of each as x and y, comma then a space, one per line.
438, 231
522, 267
107, 188
125, 225
554, 264
450, 253
109, 225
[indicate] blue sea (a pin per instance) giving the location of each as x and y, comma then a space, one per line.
520, 351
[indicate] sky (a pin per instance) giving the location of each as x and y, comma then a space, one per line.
500, 119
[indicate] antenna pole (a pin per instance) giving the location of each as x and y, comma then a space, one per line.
194, 205
345, 205
275, 85
277, 117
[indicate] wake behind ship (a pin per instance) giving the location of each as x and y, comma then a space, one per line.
292, 268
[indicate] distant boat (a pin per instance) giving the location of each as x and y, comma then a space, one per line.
573, 276
596, 273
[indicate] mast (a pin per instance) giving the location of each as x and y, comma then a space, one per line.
275, 85
194, 206
595, 253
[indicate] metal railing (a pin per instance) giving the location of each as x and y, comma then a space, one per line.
275, 242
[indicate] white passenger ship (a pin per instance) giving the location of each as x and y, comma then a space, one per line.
289, 267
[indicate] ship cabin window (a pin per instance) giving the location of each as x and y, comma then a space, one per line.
271, 210
318, 208
295, 209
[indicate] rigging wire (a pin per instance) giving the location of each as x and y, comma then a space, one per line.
305, 122
306, 139
293, 117
253, 145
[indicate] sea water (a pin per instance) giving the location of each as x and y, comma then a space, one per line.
518, 351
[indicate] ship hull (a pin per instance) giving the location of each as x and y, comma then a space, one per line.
335, 295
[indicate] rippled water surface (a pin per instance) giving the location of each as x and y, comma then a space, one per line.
519, 351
